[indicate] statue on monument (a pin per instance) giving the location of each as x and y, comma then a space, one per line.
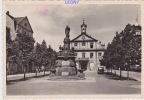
67, 30
66, 39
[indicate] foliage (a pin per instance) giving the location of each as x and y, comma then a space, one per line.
124, 50
44, 56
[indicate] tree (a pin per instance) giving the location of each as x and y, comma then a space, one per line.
124, 50
8, 50
44, 56
37, 57
45, 53
24, 45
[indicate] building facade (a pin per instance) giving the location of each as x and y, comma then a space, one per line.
18, 25
88, 50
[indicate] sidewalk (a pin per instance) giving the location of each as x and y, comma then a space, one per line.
134, 75
20, 76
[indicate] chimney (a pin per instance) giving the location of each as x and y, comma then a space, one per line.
7, 12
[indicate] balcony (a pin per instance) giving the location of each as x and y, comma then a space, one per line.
82, 58
89, 49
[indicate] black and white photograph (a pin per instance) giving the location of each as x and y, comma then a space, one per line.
83, 49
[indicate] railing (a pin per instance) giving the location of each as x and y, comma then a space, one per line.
90, 48
82, 58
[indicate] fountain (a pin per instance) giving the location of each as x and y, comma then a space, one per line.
65, 63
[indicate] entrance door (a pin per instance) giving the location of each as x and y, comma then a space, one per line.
84, 65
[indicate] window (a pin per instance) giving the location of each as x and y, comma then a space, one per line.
99, 54
91, 45
75, 54
75, 44
83, 55
83, 43
25, 24
91, 55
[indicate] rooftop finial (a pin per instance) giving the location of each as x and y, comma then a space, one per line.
137, 24
83, 19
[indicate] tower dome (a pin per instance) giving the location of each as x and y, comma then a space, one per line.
83, 27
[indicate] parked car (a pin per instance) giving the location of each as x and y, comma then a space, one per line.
100, 70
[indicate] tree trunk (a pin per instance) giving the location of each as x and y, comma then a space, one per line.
24, 69
36, 71
6, 71
128, 73
120, 73
111, 70
44, 70
115, 71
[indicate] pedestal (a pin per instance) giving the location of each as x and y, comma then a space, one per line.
65, 71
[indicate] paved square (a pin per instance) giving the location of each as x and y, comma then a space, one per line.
93, 84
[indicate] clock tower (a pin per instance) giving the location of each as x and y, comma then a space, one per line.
137, 27
83, 27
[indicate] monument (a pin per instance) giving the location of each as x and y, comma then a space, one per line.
65, 63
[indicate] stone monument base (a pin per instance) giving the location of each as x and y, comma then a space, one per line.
65, 71
63, 78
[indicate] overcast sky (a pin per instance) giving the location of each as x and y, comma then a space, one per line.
49, 21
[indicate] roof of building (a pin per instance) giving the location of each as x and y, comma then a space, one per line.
85, 35
17, 20
83, 24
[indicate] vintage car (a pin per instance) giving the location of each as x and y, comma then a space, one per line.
100, 70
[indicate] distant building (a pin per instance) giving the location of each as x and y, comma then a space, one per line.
88, 50
137, 28
18, 25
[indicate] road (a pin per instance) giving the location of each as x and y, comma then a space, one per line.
93, 84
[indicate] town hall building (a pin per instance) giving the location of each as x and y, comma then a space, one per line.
88, 50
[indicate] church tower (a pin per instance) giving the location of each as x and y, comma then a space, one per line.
83, 27
137, 27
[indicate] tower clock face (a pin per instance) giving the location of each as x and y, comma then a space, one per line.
83, 37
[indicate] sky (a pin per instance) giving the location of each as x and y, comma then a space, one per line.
49, 21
